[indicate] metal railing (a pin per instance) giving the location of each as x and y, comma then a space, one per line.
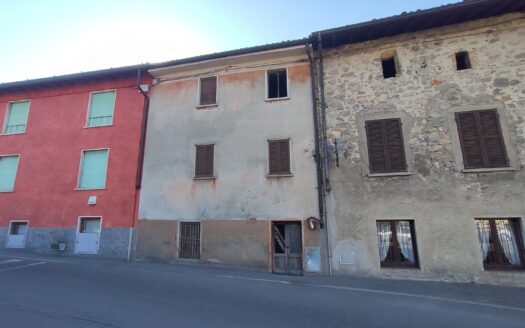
100, 120
14, 129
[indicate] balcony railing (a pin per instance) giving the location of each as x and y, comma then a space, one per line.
14, 129
100, 121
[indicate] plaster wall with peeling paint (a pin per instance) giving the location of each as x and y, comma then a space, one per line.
437, 194
239, 126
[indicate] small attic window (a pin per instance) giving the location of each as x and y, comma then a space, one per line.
389, 67
462, 60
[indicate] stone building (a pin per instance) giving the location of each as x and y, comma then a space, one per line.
425, 119
229, 175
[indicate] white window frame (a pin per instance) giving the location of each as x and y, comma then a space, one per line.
266, 71
216, 103
79, 176
8, 112
16, 175
86, 124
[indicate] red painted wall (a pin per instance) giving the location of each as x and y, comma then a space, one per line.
50, 151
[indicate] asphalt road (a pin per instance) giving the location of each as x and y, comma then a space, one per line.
57, 292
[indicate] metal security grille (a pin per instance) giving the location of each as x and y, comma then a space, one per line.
190, 240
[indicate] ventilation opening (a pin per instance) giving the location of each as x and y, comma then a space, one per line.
462, 60
389, 67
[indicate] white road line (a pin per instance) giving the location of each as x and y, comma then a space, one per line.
33, 258
256, 279
10, 261
22, 266
434, 298
385, 292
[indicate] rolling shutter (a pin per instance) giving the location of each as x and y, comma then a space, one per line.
8, 168
94, 169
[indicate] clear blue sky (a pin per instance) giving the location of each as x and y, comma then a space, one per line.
53, 37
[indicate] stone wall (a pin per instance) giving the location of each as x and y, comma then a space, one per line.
441, 198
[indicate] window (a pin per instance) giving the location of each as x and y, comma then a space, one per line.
190, 240
8, 168
481, 139
101, 108
501, 243
208, 91
279, 156
386, 152
93, 169
16, 118
397, 243
389, 67
204, 161
89, 225
462, 60
18, 228
277, 84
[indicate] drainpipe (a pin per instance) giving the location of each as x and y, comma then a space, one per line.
318, 157
140, 161
323, 111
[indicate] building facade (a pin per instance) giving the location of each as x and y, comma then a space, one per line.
425, 116
229, 171
69, 154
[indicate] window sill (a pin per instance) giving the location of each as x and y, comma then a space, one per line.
88, 189
393, 174
5, 191
397, 267
96, 126
270, 100
12, 134
284, 175
210, 106
504, 269
494, 169
204, 178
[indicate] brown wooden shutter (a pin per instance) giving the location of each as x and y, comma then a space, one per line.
208, 91
204, 161
279, 156
386, 152
481, 140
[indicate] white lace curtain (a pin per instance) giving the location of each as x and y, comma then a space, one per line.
384, 235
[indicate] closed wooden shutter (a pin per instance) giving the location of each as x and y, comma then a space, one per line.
208, 89
279, 156
481, 139
386, 152
204, 161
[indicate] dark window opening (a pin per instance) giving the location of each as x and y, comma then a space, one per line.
279, 156
277, 84
204, 161
18, 228
190, 240
481, 140
501, 243
462, 60
208, 91
386, 152
389, 67
397, 243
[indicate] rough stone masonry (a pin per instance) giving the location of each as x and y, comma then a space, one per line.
436, 192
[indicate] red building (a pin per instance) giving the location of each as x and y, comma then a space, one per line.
70, 153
